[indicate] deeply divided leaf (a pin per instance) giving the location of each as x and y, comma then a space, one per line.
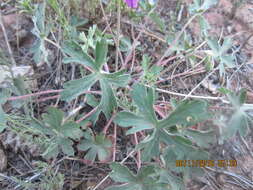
77, 55
186, 113
74, 88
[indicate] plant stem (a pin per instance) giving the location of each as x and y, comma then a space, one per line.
33, 94
118, 34
87, 115
138, 152
6, 40
108, 124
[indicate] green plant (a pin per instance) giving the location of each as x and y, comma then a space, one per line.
146, 179
127, 98
49, 178
41, 31
172, 131
219, 53
150, 73
96, 145
26, 6
74, 88
240, 120
59, 131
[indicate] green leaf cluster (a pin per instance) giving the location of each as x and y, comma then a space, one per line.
60, 132
41, 31
74, 88
145, 179
200, 6
220, 53
172, 131
240, 120
97, 146
150, 73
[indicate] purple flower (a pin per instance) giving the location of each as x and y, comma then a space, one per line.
132, 3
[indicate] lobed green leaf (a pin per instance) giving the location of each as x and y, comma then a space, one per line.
74, 88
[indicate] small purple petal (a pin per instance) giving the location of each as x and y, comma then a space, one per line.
132, 3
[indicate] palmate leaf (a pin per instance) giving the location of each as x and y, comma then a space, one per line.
158, 21
146, 119
219, 53
96, 146
204, 25
121, 173
74, 88
180, 148
226, 45
214, 45
240, 120
176, 183
66, 146
128, 119
59, 132
53, 118
108, 101
40, 31
101, 52
199, 6
144, 98
77, 55
151, 145
171, 155
187, 113
145, 179
201, 138
118, 78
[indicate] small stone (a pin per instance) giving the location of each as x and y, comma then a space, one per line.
3, 160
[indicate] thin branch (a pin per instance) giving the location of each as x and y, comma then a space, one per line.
109, 123
138, 152
134, 44
118, 34
33, 94
87, 115
6, 40
114, 143
198, 85
48, 98
190, 96
45, 92
110, 29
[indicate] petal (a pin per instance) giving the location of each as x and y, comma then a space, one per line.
132, 3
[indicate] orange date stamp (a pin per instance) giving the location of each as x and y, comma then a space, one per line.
206, 163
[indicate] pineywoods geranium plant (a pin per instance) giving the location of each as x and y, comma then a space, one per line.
109, 111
